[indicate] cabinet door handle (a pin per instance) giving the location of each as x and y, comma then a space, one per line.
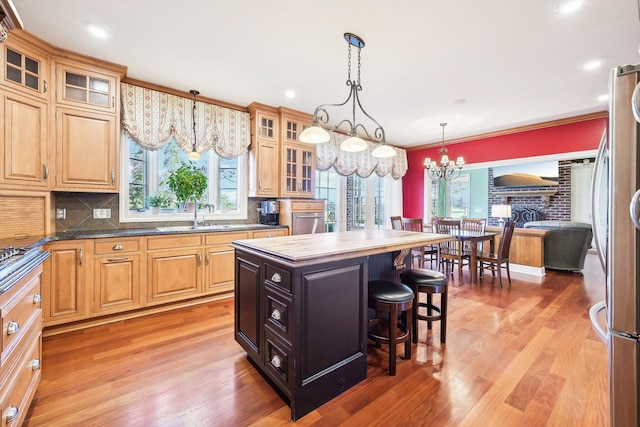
122, 258
113, 176
113, 102
46, 171
118, 247
199, 259
276, 361
260, 184
276, 315
80, 257
45, 86
276, 278
36, 364
10, 414
37, 298
206, 259
12, 327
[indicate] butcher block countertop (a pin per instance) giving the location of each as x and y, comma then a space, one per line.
309, 249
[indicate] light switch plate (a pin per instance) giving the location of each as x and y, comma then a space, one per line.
102, 213
61, 213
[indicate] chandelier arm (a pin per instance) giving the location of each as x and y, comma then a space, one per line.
321, 114
379, 132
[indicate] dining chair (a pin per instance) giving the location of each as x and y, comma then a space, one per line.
451, 252
428, 252
500, 259
396, 223
473, 224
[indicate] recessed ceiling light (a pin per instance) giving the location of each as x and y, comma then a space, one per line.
459, 101
603, 97
592, 64
569, 6
290, 94
96, 30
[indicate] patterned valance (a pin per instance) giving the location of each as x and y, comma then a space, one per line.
361, 163
151, 118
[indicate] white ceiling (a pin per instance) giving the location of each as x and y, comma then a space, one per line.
516, 62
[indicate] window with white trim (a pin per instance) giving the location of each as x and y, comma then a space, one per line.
145, 173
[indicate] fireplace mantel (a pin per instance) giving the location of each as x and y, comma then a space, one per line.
545, 195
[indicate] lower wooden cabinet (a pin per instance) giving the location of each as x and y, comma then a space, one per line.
116, 283
64, 276
174, 274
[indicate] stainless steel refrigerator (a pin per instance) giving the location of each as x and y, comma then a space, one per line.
616, 219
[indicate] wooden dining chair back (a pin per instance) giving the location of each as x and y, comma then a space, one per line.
451, 252
473, 224
396, 223
421, 254
500, 259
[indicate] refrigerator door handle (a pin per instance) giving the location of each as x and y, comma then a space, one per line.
595, 196
634, 209
597, 327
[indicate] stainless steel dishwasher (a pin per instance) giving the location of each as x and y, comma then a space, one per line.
307, 222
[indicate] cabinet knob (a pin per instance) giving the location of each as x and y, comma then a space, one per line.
12, 327
37, 298
269, 235
118, 247
308, 206
10, 414
36, 364
277, 278
276, 361
275, 314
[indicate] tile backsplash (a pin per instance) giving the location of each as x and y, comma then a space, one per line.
79, 213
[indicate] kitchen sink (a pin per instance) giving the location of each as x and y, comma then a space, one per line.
211, 227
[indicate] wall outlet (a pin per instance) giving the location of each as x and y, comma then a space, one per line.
102, 213
61, 213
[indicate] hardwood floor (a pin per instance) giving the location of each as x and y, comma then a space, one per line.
521, 356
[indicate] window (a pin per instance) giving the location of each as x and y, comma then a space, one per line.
355, 203
460, 196
147, 172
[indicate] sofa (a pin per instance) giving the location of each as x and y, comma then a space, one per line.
565, 243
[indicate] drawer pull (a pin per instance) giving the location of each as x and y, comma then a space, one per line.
46, 172
277, 278
12, 327
270, 235
276, 361
118, 259
36, 364
10, 414
37, 298
80, 256
275, 314
118, 247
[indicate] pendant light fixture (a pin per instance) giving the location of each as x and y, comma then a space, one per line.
316, 134
194, 155
447, 169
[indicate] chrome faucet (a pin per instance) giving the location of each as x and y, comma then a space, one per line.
195, 213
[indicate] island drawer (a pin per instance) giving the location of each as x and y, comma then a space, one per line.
107, 246
277, 277
278, 362
278, 313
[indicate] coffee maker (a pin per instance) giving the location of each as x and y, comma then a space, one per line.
270, 212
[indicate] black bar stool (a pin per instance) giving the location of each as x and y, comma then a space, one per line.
429, 282
394, 298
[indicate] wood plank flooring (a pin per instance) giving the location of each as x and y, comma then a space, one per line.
523, 355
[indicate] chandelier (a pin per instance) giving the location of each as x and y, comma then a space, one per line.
447, 169
194, 155
316, 134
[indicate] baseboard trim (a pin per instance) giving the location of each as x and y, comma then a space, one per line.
527, 269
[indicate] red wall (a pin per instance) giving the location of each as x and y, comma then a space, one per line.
572, 137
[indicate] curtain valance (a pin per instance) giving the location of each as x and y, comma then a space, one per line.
151, 118
361, 163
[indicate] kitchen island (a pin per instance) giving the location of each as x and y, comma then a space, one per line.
301, 306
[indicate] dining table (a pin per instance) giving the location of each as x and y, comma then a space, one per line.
474, 237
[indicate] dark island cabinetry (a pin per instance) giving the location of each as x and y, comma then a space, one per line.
304, 327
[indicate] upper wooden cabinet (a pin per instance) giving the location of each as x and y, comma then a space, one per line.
87, 151
298, 159
264, 154
25, 67
24, 154
86, 87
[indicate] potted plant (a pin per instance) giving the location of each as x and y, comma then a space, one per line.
225, 203
188, 182
154, 202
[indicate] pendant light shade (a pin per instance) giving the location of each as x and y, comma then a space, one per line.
314, 134
353, 144
383, 150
